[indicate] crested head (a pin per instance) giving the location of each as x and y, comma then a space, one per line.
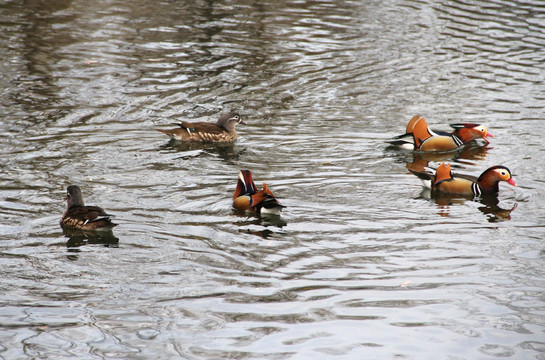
246, 177
245, 184
469, 131
499, 172
229, 121
490, 178
74, 196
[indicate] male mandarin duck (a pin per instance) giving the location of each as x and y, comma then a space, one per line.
79, 216
222, 131
419, 136
247, 197
445, 181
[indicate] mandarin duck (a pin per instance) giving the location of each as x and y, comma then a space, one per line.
419, 136
222, 131
79, 216
247, 197
445, 181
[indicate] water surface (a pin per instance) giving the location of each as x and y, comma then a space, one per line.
363, 263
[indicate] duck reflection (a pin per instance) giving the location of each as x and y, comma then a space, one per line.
263, 220
490, 204
420, 160
226, 151
494, 212
77, 238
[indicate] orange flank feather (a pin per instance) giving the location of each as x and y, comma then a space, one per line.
420, 131
266, 189
442, 173
412, 122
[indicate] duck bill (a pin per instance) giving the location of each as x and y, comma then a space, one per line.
511, 182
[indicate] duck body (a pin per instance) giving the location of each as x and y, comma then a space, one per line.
420, 137
79, 216
248, 198
222, 131
445, 181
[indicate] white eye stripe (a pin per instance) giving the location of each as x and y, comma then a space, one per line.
501, 172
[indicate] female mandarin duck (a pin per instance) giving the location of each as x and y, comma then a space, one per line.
420, 137
79, 216
247, 197
222, 131
445, 181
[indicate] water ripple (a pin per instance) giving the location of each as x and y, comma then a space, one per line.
361, 260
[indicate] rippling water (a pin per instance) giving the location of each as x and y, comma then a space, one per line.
363, 263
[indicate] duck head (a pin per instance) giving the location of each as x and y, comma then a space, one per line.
229, 121
468, 132
491, 177
73, 196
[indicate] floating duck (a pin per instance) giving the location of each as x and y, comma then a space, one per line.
79, 216
247, 197
447, 182
419, 136
222, 131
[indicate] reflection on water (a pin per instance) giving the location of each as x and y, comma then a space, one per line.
228, 152
473, 151
261, 225
356, 264
491, 208
79, 238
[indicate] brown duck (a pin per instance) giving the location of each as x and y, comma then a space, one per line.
486, 184
222, 131
79, 216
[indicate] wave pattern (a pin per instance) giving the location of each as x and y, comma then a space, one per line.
362, 261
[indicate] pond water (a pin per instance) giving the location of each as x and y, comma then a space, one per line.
363, 262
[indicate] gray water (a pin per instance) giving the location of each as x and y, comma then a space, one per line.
363, 263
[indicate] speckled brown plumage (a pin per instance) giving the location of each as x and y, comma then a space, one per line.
79, 216
222, 131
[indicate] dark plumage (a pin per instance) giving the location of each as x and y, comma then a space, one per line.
79, 216
222, 131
